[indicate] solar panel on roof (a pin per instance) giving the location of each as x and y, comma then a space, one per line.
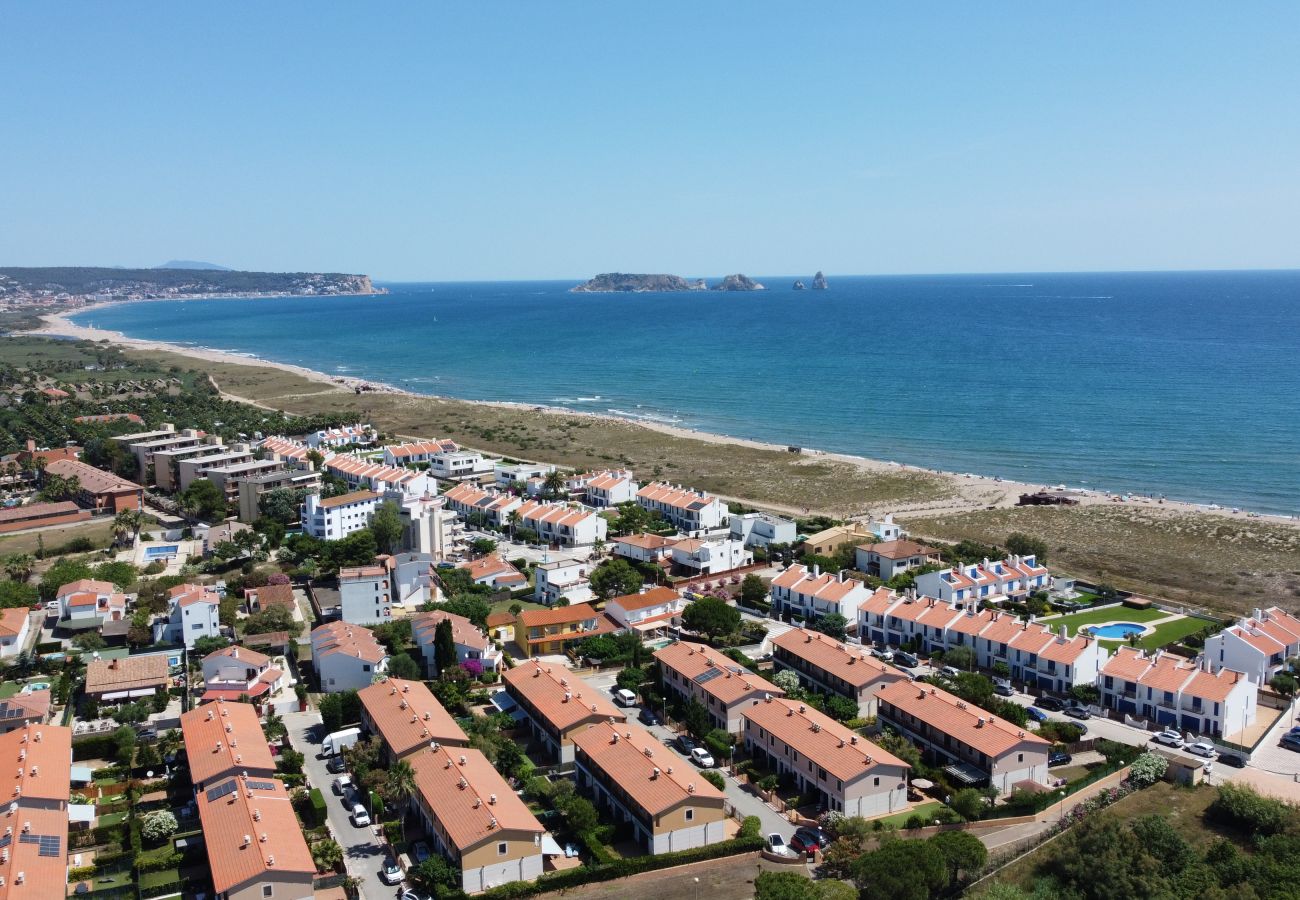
221, 790
708, 676
47, 844
6, 840
261, 785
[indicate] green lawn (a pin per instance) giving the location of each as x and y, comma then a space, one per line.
1107, 614
111, 819
504, 605
1164, 634
162, 876
9, 688
924, 809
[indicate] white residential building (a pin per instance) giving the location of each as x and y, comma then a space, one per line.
15, 627
363, 474
890, 558
1178, 693
335, 518
652, 609
603, 489
563, 525
427, 524
494, 506
1015, 577
710, 556
193, 615
417, 451
344, 436
758, 529
686, 509
646, 548
88, 602
506, 474
346, 657
494, 572
233, 673
471, 643
561, 578
1258, 645
286, 451
800, 592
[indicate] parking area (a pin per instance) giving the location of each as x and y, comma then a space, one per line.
1271, 757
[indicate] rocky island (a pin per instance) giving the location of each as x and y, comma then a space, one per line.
738, 283
819, 282
798, 286
620, 283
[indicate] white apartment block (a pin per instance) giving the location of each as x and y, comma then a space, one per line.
562, 578
417, 451
603, 489
710, 556
1015, 577
799, 591
1258, 645
494, 506
686, 509
563, 525
346, 657
506, 474
757, 529
335, 518
344, 436
363, 474
193, 615
652, 609
1178, 693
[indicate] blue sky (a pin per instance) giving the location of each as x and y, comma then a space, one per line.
540, 140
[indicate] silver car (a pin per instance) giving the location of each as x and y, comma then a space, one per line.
1202, 748
1169, 738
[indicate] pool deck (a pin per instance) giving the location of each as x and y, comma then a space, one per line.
139, 554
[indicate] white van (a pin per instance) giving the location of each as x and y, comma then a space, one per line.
624, 697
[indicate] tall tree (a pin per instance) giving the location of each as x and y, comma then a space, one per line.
711, 617
386, 526
399, 787
615, 578
444, 647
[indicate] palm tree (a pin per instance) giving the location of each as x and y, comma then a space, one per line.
399, 787
513, 520
553, 485
19, 566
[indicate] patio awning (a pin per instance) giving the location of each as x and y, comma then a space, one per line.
81, 812
550, 847
966, 773
81, 775
121, 695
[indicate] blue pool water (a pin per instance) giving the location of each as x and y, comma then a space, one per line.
160, 552
1120, 630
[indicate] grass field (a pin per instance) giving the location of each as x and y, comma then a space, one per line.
1223, 565
1073, 621
98, 531
922, 809
9, 688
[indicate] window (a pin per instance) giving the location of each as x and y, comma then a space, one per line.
503, 848
690, 815
268, 890
876, 781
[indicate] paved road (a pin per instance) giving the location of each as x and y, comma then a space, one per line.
361, 848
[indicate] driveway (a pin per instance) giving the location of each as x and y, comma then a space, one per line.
361, 848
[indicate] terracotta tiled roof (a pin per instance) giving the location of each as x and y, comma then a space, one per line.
470, 800
497, 619
45, 764
879, 602
656, 596
1127, 663
716, 675
558, 615
1065, 652
678, 498
560, 697
652, 776
493, 566
646, 541
418, 448
952, 716
13, 621
243, 654
463, 631
105, 676
189, 594
346, 499
853, 665
87, 585
258, 809
272, 595
407, 715
342, 637
837, 749
96, 481
225, 739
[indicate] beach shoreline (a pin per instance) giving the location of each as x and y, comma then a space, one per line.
970, 492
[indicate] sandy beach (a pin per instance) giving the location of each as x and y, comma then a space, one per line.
969, 491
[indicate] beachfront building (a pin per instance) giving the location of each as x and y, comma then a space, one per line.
495, 572
654, 549
346, 657
696, 672
709, 556
828, 666
363, 474
292, 453
974, 746
255, 846
417, 452
190, 469
561, 578
224, 740
357, 435
36, 784
561, 524
227, 477
239, 673
127, 678
885, 560
1053, 661
558, 705
507, 474
15, 628
250, 489
476, 505
603, 489
759, 529
847, 773
334, 518
193, 614
88, 603
810, 594
474, 818
686, 509
473, 648
97, 489
1175, 692
1015, 577
825, 543
1259, 644
651, 610
407, 718
144, 450
668, 804
542, 632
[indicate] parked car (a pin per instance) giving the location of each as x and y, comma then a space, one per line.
1169, 738
886, 654
360, 818
685, 744
341, 784
1290, 742
1236, 760
1059, 758
1077, 711
809, 840
702, 758
1036, 714
776, 844
1049, 703
419, 852
336, 765
1202, 748
906, 659
391, 873
1003, 689
647, 716
950, 671
624, 697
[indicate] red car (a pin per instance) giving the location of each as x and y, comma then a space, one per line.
809, 840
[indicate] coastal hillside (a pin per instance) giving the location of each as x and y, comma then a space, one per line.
66, 282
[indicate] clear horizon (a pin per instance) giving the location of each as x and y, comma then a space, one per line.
517, 142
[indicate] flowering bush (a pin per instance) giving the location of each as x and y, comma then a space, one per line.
473, 667
830, 822
1147, 769
158, 826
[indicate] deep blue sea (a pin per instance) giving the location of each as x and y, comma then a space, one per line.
1185, 384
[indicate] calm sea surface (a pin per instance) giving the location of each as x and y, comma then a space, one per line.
1182, 384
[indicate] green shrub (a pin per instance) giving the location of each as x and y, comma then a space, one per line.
914, 821
751, 827
81, 873
149, 862
714, 777
1147, 769
1240, 807
318, 808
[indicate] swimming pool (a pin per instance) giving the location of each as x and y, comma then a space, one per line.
1116, 630
166, 552
36, 686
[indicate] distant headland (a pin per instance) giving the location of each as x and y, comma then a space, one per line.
101, 284
621, 283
